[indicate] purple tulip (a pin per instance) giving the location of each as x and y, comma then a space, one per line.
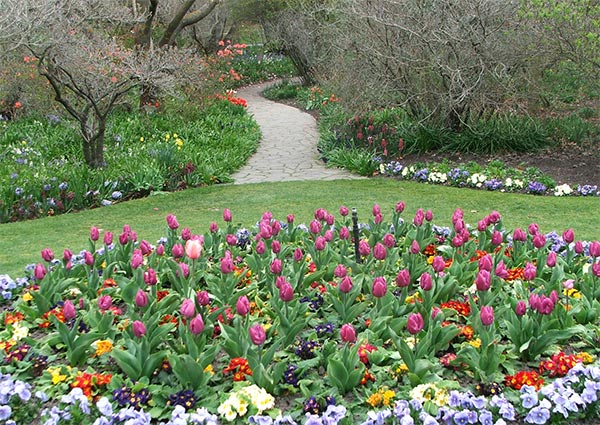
399, 207
203, 298
67, 255
261, 247
457, 241
568, 236
578, 247
487, 315
141, 298
533, 229
419, 217
534, 301
486, 263
150, 277
257, 334
172, 222
438, 264
403, 278
213, 227
497, 238
227, 216
546, 306
376, 210
457, 215
551, 259
320, 243
426, 282
344, 233
346, 285
315, 227
414, 247
596, 269
428, 215
595, 249
108, 238
519, 235
197, 325
139, 329
88, 258
242, 306
321, 214
530, 271
378, 219
123, 238
69, 310
501, 270
265, 230
482, 225
347, 333
104, 302
459, 226
330, 219
276, 266
389, 240
379, 251
483, 281
539, 240
340, 271
286, 292
145, 247
160, 250
290, 219
185, 269
188, 308
328, 235
494, 217
344, 211
298, 255
521, 308
275, 247
227, 263
415, 323
136, 259
275, 228
94, 233
177, 250
379, 287
363, 248
47, 254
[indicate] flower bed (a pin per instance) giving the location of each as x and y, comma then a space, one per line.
396, 321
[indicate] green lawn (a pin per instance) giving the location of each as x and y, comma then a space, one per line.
21, 243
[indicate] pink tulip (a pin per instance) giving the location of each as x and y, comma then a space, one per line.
569, 284
494, 217
315, 227
346, 285
344, 233
486, 263
438, 264
275, 247
347, 333
186, 234
546, 306
275, 228
267, 216
530, 271
145, 247
551, 259
379, 288
185, 269
596, 269
227, 216
160, 250
459, 226
321, 214
242, 306
534, 301
389, 240
578, 247
595, 249
136, 259
533, 229
329, 220
94, 233
47, 254
193, 248
67, 255
483, 281
203, 298
257, 334
104, 302
497, 238
487, 315
108, 238
425, 282
399, 207
197, 325
376, 210
457, 241
276, 266
328, 235
141, 298
139, 329
265, 230
521, 308
123, 238
340, 271
150, 277
320, 243
261, 247
177, 251
69, 310
429, 216
501, 270
172, 222
290, 219
286, 292
568, 236
415, 323
379, 251
539, 240
227, 263
378, 219
414, 247
457, 215
482, 225
213, 227
363, 248
344, 211
188, 308
519, 235
88, 258
403, 278
419, 217
298, 255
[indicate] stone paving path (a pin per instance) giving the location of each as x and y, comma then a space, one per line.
288, 148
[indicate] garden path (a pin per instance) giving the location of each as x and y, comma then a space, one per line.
288, 148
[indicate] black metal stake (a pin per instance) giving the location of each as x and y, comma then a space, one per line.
355, 233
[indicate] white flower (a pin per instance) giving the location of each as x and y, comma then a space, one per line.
563, 190
437, 177
19, 332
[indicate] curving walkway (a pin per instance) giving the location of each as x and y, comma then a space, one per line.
288, 148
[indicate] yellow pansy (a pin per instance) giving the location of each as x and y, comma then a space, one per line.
27, 296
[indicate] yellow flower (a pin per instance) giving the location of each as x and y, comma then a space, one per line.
175, 135
402, 369
585, 357
102, 346
142, 139
475, 342
27, 296
167, 137
19, 332
388, 395
56, 375
375, 399
573, 293
209, 369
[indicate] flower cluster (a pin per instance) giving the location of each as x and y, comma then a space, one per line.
238, 402
524, 377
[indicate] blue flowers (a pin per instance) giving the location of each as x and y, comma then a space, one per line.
536, 188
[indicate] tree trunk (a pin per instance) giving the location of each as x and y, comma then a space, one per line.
93, 129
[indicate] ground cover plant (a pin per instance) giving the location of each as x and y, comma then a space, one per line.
385, 319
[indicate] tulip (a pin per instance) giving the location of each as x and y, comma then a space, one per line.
242, 306
519, 235
188, 308
286, 292
320, 243
197, 325
482, 225
534, 301
457, 241
141, 298
403, 278
275, 228
438, 264
298, 255
315, 227
150, 277
415, 323
265, 230
275, 246
104, 302
378, 219
123, 238
203, 298
88, 258
39, 272
486, 263
419, 217
435, 311
227, 216
67, 255
578, 247
546, 306
328, 235
596, 269
554, 296
346, 284
136, 259
429, 216
69, 310
139, 329
276, 266
108, 238
376, 210
329, 220
399, 207
347, 333
186, 234
213, 227
459, 226
290, 218
172, 222
483, 281
344, 211
340, 271
539, 240
568, 236
457, 215
145, 247
363, 248
177, 251
595, 249
94, 233
257, 334
47, 254
551, 259
185, 269
530, 272
193, 248
320, 214
379, 287
533, 229
389, 240
568, 284
344, 233
497, 238
426, 282
521, 308
261, 247
160, 250
501, 271
379, 251
487, 315
267, 216
227, 263
414, 247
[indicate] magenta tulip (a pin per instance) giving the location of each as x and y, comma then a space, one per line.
379, 288
568, 236
276, 266
69, 310
227, 216
328, 235
578, 247
213, 227
483, 281
257, 334
150, 277
321, 214
546, 306
379, 251
329, 220
320, 243
596, 269
486, 263
141, 298
39, 272
376, 210
275, 247
482, 225
47, 254
399, 207
530, 271
419, 217
203, 298
315, 227
389, 240
414, 247
275, 228
242, 306
186, 234
290, 219
363, 248
286, 292
519, 235
438, 264
104, 302
188, 308
426, 282
136, 259
539, 240
346, 285
344, 233
534, 301
428, 215
487, 315
265, 230
497, 238
501, 270
340, 271
347, 333
533, 229
457, 241
415, 323
145, 247
172, 222
298, 255
227, 263
403, 278
261, 247
94, 233
88, 258
177, 250
185, 269
378, 219
595, 249
344, 211
160, 250
108, 238
551, 259
196, 325
67, 255
521, 308
457, 215
139, 329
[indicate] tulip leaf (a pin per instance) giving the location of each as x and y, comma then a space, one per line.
128, 363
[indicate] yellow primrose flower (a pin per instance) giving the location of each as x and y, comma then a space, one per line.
388, 395
375, 399
475, 342
175, 135
585, 357
27, 296
56, 375
209, 369
102, 346
142, 139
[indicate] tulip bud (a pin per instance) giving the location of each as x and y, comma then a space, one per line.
389, 240
414, 247
539, 240
213, 227
186, 234
497, 238
483, 281
276, 266
172, 222
67, 255
141, 298
242, 306
487, 315
193, 248
104, 302
519, 235
145, 247
376, 210
533, 229
344, 233
403, 278
457, 215
177, 251
320, 243
275, 246
521, 308
290, 219
363, 248
429, 216
568, 236
275, 228
227, 263
160, 250
315, 227
399, 207
379, 251
227, 216
415, 323
261, 247
578, 247
298, 255
347, 333
286, 292
47, 254
378, 219
108, 238
69, 310
203, 298
595, 249
329, 220
188, 308
438, 264
551, 259
340, 271
197, 325
501, 271
139, 329
530, 272
379, 287
344, 211
94, 233
257, 334
185, 269
419, 217
486, 263
150, 277
426, 282
346, 285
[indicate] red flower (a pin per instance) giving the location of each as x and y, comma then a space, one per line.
363, 352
